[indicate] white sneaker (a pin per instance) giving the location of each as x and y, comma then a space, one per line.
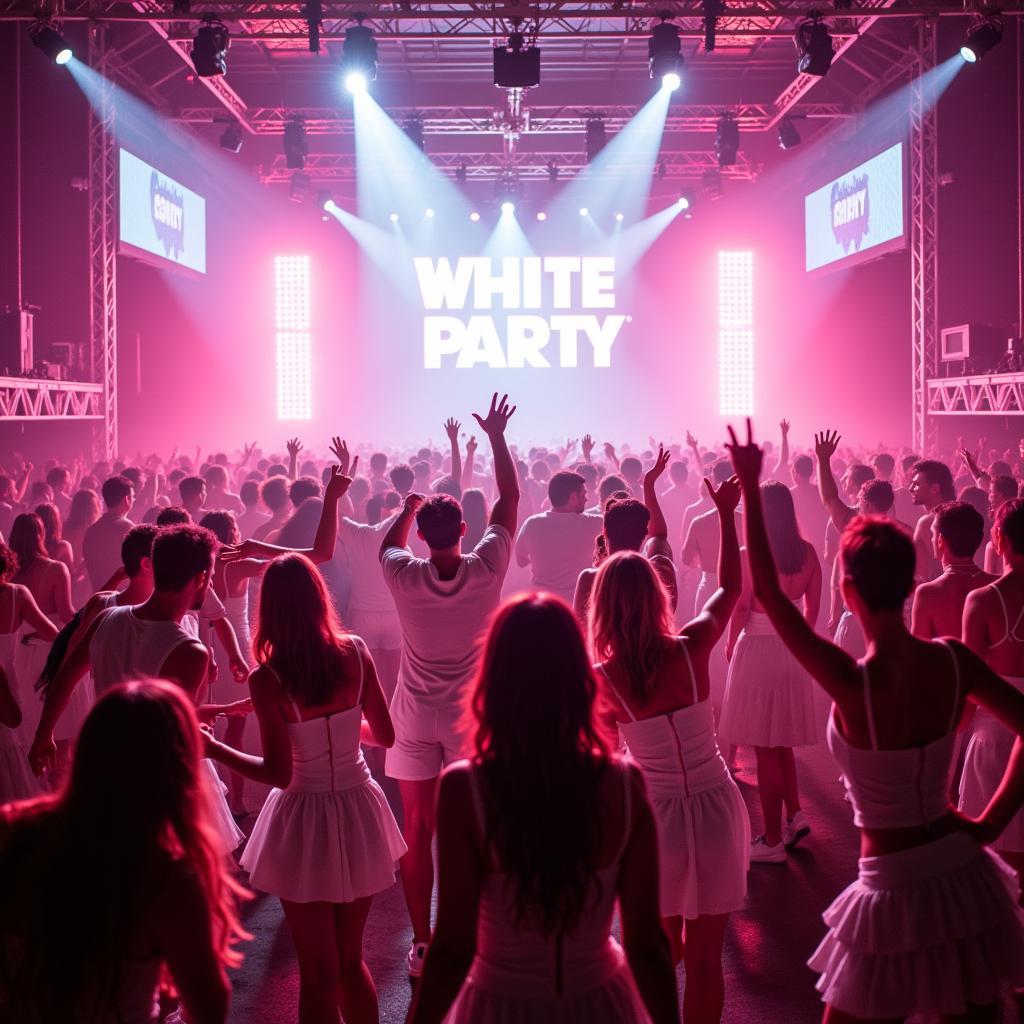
795, 829
414, 961
762, 853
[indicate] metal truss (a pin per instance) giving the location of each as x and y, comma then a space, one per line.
103, 244
689, 166
993, 394
29, 399
485, 120
924, 226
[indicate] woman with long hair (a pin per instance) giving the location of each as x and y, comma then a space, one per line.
658, 689
56, 547
49, 582
931, 925
769, 699
325, 841
85, 510
118, 876
539, 835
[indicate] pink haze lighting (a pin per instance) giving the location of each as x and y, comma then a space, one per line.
292, 324
736, 333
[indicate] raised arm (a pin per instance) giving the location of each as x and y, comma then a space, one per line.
506, 509
609, 453
829, 665
398, 533
657, 528
782, 466
294, 446
981, 478
467, 466
825, 445
451, 428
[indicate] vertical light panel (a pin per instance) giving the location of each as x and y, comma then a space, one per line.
292, 324
736, 333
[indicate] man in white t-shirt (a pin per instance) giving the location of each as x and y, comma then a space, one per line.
559, 544
444, 603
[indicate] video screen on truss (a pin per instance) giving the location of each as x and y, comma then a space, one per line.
160, 220
859, 215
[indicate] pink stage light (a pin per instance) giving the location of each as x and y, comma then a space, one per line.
292, 324
736, 333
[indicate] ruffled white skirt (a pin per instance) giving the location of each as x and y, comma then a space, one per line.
936, 927
16, 779
334, 847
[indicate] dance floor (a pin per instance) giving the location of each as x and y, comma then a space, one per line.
766, 947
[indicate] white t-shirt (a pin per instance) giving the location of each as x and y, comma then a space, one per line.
560, 545
442, 619
360, 546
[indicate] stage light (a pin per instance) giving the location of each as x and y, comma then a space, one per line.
983, 35
727, 140
661, 170
814, 47
295, 144
210, 49
736, 333
516, 65
460, 172
428, 212
683, 202
620, 216
541, 215
671, 81
231, 138
292, 323
413, 129
48, 39
325, 202
711, 10
393, 218
584, 212
788, 135
508, 207
552, 172
594, 138
299, 187
313, 12
474, 216
664, 56
359, 57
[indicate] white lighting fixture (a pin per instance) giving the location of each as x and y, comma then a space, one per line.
292, 326
508, 207
620, 216
394, 218
584, 212
355, 82
428, 212
736, 333
541, 215
474, 216
683, 203
671, 81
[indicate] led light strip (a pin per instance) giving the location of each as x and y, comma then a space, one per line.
736, 333
292, 324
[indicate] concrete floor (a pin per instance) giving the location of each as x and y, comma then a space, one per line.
766, 948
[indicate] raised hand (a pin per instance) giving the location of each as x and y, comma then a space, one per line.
609, 450
784, 427
691, 441
497, 416
42, 757
570, 443
240, 673
587, 444
658, 468
247, 450
746, 458
451, 428
293, 447
727, 497
413, 502
471, 444
339, 449
825, 444
339, 482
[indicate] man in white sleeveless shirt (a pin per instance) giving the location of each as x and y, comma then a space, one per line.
149, 639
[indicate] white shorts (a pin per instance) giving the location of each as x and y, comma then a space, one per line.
381, 631
426, 739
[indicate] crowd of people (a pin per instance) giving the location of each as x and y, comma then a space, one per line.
555, 652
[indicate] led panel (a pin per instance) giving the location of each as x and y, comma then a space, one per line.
292, 326
736, 333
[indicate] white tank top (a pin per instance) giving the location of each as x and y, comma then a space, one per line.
125, 647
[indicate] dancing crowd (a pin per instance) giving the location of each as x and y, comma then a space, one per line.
555, 653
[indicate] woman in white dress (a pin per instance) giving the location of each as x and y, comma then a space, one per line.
769, 698
325, 841
16, 780
659, 690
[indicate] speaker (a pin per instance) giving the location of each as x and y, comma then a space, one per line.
15, 341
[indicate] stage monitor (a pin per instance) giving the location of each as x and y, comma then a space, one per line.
859, 216
160, 220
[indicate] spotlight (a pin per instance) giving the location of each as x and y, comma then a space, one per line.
620, 217
394, 218
428, 212
359, 57
210, 49
508, 207
727, 140
541, 215
474, 216
516, 65
664, 55
788, 135
814, 47
413, 128
295, 144
671, 82
460, 172
683, 202
47, 37
595, 137
313, 12
324, 201
712, 9
231, 138
584, 212
982, 36
661, 170
299, 187
552, 172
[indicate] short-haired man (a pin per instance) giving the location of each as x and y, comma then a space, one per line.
559, 544
957, 532
217, 494
101, 545
443, 604
1001, 487
931, 484
192, 491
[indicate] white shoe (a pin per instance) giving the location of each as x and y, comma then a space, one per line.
795, 829
414, 961
762, 853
